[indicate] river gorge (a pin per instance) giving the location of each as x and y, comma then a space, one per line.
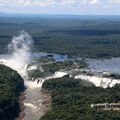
37, 101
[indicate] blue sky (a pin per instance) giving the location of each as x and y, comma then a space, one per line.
98, 7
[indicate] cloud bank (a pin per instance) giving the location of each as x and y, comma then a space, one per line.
61, 6
46, 3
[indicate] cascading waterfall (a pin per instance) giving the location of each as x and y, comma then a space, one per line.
19, 56
18, 59
19, 50
99, 81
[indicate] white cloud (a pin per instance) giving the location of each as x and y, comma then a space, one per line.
39, 3
94, 2
45, 3
88, 2
67, 2
114, 1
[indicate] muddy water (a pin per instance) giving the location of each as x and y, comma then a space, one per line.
34, 107
37, 102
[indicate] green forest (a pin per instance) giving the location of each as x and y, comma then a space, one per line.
11, 85
83, 36
77, 37
71, 100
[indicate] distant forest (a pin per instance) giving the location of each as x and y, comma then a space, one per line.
84, 36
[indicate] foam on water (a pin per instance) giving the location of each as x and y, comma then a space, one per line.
30, 105
18, 59
99, 81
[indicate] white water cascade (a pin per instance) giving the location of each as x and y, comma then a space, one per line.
99, 81
18, 59
19, 50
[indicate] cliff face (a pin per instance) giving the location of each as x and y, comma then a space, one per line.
11, 85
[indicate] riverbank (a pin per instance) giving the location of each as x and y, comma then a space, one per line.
46, 100
22, 97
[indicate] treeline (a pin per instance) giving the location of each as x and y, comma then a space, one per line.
11, 85
72, 99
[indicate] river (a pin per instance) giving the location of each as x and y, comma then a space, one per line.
34, 107
105, 65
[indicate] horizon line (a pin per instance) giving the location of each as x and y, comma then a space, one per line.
59, 14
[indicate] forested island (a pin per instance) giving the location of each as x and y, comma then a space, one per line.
11, 85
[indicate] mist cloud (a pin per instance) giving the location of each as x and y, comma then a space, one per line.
19, 50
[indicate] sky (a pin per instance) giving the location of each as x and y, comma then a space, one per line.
77, 7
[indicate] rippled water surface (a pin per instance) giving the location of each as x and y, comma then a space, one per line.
33, 104
108, 65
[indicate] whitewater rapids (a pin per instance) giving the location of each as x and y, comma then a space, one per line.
99, 81
18, 59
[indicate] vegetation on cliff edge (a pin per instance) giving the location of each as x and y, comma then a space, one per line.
11, 85
72, 99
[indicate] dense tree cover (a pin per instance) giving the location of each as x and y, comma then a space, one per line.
83, 36
45, 60
56, 66
66, 65
46, 67
113, 75
11, 84
71, 100
34, 74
